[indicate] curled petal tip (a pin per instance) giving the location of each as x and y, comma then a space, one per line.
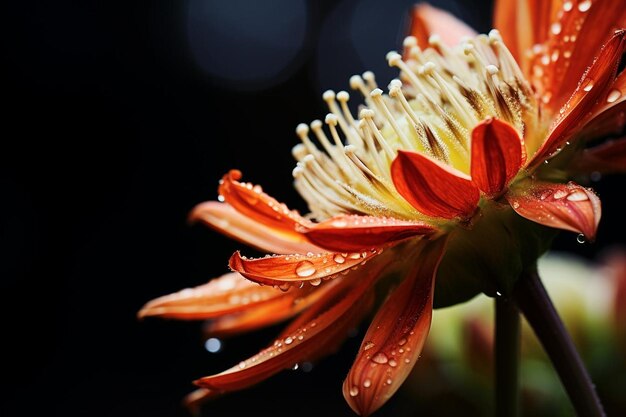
562, 206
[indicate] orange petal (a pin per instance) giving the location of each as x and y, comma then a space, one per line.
575, 37
395, 338
427, 20
286, 270
592, 87
524, 23
228, 221
562, 206
433, 188
497, 155
608, 117
610, 157
230, 293
251, 201
260, 315
318, 327
353, 233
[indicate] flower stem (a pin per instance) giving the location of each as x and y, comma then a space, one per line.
507, 356
535, 304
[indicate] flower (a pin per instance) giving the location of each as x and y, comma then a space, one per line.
471, 149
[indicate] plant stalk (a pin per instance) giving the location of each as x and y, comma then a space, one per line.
507, 356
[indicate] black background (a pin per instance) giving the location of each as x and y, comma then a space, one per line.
111, 134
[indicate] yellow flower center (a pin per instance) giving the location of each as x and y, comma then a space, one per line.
442, 94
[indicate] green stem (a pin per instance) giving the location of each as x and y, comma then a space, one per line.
535, 304
507, 355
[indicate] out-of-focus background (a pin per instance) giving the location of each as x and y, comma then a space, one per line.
117, 119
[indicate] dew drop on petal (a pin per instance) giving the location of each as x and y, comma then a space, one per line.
288, 340
381, 358
389, 381
315, 282
339, 223
584, 6
221, 198
613, 96
367, 383
368, 345
559, 194
354, 391
242, 365
568, 6
339, 259
295, 367
555, 28
305, 269
402, 341
515, 205
580, 238
393, 363
588, 84
578, 196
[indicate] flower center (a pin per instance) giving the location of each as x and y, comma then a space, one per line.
442, 94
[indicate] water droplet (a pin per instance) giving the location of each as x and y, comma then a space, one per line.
213, 345
578, 196
300, 337
580, 238
305, 269
613, 96
588, 84
315, 282
354, 255
584, 6
555, 28
367, 383
288, 340
393, 363
381, 358
559, 194
567, 6
257, 189
340, 223
339, 259
242, 365
221, 198
354, 391
295, 367
368, 345
407, 360
402, 341
389, 381
498, 293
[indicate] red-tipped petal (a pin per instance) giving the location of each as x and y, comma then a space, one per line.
427, 20
286, 270
562, 206
608, 117
311, 334
353, 233
395, 338
250, 200
228, 294
610, 157
593, 86
230, 222
433, 188
195, 399
497, 155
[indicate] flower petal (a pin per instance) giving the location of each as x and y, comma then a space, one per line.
608, 158
524, 23
353, 233
433, 188
562, 206
251, 201
608, 117
395, 338
228, 221
287, 270
574, 37
427, 20
592, 87
309, 336
260, 315
497, 155
228, 294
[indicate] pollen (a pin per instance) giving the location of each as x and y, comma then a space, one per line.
440, 95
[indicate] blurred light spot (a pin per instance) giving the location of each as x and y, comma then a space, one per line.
248, 44
213, 345
306, 367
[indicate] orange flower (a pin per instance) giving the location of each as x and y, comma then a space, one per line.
469, 131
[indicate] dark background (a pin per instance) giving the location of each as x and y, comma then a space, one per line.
117, 120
